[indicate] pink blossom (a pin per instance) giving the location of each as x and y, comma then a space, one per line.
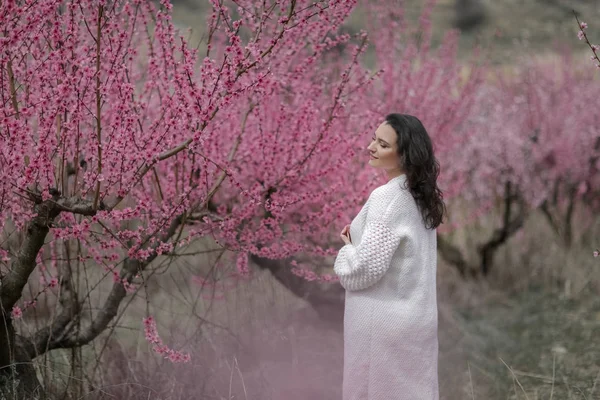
242, 264
158, 347
46, 195
4, 256
29, 303
16, 312
129, 288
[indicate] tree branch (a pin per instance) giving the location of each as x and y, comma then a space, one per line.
60, 334
568, 220
13, 90
77, 205
14, 281
509, 227
546, 211
327, 301
98, 103
452, 255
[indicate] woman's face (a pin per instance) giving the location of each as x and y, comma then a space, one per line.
383, 149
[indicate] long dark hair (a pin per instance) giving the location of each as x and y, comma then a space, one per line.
420, 166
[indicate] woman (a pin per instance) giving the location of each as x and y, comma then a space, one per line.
388, 268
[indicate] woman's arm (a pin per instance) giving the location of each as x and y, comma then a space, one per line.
359, 267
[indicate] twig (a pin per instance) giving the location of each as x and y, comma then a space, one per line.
595, 382
553, 374
515, 377
98, 105
241, 377
587, 40
471, 381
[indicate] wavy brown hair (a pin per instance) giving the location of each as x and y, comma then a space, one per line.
421, 167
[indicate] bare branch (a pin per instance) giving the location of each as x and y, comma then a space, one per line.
326, 299
77, 205
13, 90
98, 102
452, 255
510, 225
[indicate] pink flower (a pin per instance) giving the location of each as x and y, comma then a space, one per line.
596, 253
310, 276
29, 303
129, 288
583, 25
53, 282
158, 347
580, 35
46, 195
16, 312
242, 264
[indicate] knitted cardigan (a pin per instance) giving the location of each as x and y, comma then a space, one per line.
390, 317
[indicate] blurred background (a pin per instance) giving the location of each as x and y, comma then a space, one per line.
506, 28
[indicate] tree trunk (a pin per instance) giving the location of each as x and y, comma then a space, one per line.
469, 14
326, 299
512, 221
18, 380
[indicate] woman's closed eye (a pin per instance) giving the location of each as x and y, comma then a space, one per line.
381, 144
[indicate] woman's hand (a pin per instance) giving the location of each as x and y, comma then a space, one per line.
345, 235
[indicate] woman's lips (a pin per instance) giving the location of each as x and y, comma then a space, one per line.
372, 157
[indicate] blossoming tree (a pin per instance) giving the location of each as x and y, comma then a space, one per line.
120, 145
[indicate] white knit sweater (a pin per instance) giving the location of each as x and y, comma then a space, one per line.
390, 319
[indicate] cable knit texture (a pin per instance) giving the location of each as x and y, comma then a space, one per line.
390, 319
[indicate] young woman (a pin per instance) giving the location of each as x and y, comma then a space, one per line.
388, 268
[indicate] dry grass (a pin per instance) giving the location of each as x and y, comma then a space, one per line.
282, 350
261, 342
535, 346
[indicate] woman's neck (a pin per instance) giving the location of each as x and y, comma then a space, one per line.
391, 174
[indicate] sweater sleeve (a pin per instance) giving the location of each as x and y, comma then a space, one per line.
359, 267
